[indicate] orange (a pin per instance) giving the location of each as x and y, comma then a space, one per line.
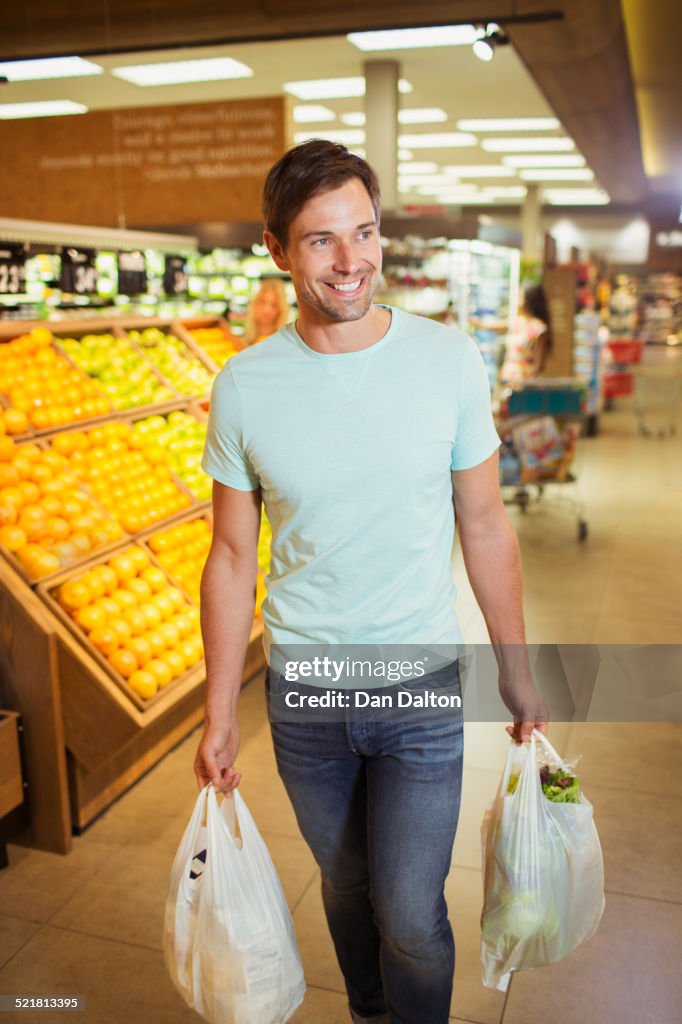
170, 634
81, 542
143, 683
95, 583
8, 513
109, 607
161, 671
57, 528
152, 615
140, 588
136, 620
156, 642
156, 578
175, 662
176, 597
184, 625
141, 648
123, 661
191, 651
37, 561
9, 474
164, 604
105, 639
108, 577
12, 537
140, 559
124, 599
73, 595
7, 448
65, 552
90, 617
124, 567
29, 491
121, 628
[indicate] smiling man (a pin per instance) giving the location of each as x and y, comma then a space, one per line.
359, 426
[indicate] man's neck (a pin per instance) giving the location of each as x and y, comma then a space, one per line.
332, 338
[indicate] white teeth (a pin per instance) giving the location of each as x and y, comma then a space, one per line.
346, 287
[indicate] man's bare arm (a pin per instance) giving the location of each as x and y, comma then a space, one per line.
493, 563
227, 603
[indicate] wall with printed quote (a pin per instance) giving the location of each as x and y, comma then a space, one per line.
143, 166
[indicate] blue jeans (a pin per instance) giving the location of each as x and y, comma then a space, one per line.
377, 801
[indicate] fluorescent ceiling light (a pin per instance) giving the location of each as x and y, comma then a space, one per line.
48, 67
413, 38
481, 171
347, 136
557, 174
313, 112
505, 191
532, 145
334, 88
576, 197
422, 115
437, 140
415, 167
509, 124
545, 160
44, 108
179, 72
405, 154
427, 179
356, 119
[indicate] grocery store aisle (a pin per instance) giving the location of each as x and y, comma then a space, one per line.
90, 923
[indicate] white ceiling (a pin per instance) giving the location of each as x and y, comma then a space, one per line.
448, 77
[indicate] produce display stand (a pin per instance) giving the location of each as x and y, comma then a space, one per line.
85, 739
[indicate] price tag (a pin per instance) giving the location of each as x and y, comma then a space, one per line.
12, 269
132, 273
78, 274
175, 276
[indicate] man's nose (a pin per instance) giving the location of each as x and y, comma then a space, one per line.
345, 259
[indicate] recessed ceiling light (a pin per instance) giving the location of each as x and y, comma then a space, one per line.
424, 115
356, 119
48, 67
415, 167
44, 108
509, 124
532, 145
413, 38
346, 136
481, 171
179, 72
313, 112
437, 140
334, 88
576, 197
545, 160
557, 174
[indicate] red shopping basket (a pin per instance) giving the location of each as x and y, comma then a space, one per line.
625, 351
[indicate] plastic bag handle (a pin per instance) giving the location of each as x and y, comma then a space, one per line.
537, 735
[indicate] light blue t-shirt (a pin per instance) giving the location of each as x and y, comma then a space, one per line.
352, 453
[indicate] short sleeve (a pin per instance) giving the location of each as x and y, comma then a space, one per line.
476, 438
224, 456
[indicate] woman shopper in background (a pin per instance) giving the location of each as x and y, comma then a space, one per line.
529, 340
268, 311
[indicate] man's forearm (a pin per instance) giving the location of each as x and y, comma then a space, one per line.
227, 604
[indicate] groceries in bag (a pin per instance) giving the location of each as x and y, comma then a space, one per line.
229, 942
542, 865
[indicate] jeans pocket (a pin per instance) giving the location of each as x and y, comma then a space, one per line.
445, 678
276, 684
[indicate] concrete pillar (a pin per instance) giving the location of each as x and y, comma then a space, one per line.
381, 126
530, 223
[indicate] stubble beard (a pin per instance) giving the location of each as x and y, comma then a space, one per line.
341, 311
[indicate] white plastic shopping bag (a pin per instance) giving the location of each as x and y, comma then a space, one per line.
229, 941
543, 875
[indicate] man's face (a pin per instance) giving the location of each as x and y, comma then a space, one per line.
334, 253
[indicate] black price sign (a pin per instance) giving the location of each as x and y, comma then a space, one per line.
132, 273
175, 276
12, 269
78, 275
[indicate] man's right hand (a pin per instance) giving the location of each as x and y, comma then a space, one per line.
216, 756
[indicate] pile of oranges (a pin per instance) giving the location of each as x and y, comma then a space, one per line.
135, 486
144, 627
183, 550
217, 345
43, 389
47, 520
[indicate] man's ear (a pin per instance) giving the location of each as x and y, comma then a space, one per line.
276, 250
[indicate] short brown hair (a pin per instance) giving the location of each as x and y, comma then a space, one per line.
307, 170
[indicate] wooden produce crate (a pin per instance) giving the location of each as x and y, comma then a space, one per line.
184, 328
11, 781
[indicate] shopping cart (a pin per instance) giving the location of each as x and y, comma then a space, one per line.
539, 425
657, 395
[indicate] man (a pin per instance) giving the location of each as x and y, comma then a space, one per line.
357, 426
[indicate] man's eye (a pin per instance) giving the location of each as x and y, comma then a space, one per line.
321, 242
364, 235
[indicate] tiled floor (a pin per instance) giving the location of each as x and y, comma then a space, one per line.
90, 923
